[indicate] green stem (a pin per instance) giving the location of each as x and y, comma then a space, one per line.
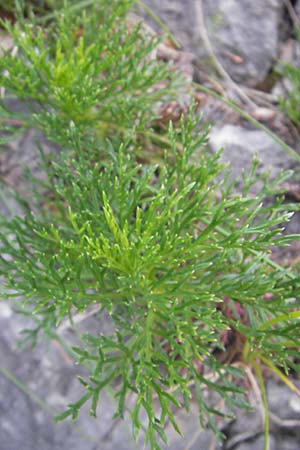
283, 318
159, 22
148, 331
79, 5
264, 402
36, 399
14, 380
154, 137
280, 375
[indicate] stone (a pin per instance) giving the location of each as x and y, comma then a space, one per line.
244, 35
297, 9
257, 444
27, 409
6, 43
286, 443
241, 145
282, 401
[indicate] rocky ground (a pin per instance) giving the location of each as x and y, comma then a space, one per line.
230, 45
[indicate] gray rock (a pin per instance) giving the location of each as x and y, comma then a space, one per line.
241, 145
243, 34
282, 402
47, 383
297, 9
244, 29
286, 443
257, 444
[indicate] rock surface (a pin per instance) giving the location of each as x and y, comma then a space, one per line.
241, 145
244, 35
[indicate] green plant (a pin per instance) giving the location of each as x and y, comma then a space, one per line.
93, 72
39, 6
290, 104
178, 260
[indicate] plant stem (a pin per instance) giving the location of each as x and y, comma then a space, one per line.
280, 375
159, 22
264, 401
14, 380
216, 62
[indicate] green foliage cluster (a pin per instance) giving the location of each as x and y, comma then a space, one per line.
169, 251
39, 6
91, 71
290, 104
